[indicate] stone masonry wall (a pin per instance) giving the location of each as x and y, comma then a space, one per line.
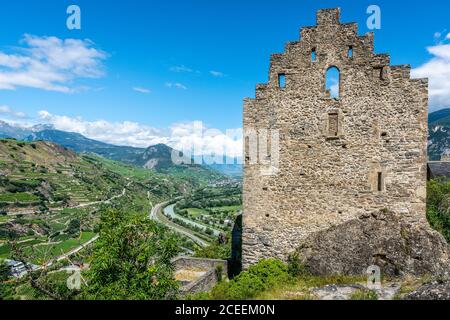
324, 178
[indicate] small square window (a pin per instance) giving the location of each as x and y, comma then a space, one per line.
282, 80
378, 73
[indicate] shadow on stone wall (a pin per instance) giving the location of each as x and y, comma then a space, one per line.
235, 262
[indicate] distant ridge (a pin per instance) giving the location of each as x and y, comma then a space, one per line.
439, 134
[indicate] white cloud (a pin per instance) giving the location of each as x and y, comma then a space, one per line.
180, 136
437, 69
181, 68
176, 85
334, 89
10, 113
217, 74
118, 133
448, 36
141, 90
201, 140
50, 63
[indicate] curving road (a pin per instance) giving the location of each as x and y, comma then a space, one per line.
169, 211
157, 215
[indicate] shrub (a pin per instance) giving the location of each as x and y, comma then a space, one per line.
260, 277
219, 272
295, 267
438, 210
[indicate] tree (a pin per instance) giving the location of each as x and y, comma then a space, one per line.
5, 273
132, 260
73, 229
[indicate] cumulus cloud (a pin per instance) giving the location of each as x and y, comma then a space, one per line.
191, 137
10, 113
141, 90
50, 63
447, 37
176, 85
198, 139
217, 74
119, 133
437, 69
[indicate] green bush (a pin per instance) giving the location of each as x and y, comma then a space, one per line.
438, 207
295, 267
131, 260
258, 278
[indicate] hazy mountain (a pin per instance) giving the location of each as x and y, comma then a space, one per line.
11, 131
81, 144
158, 157
439, 133
19, 132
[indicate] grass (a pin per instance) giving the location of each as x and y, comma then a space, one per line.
44, 253
124, 169
364, 295
5, 218
5, 250
195, 212
18, 197
300, 289
410, 284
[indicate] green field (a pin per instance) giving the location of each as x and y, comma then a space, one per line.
47, 252
196, 212
18, 197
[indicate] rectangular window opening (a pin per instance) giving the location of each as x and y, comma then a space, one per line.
380, 181
333, 124
313, 55
350, 51
282, 80
378, 73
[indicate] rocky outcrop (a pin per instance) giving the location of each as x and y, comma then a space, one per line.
437, 290
384, 239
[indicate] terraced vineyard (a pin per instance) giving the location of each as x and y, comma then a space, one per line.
42, 176
51, 199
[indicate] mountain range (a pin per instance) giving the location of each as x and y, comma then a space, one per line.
439, 134
157, 157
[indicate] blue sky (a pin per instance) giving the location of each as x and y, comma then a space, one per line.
158, 64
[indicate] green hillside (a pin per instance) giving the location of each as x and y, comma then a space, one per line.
51, 198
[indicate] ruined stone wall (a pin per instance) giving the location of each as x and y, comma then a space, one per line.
325, 176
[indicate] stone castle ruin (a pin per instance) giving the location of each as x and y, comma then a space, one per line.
349, 189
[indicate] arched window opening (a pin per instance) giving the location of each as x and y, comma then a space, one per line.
332, 82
